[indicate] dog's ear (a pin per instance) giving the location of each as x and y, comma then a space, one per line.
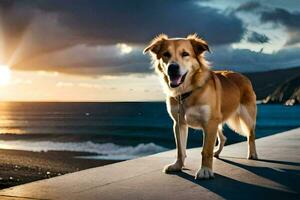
156, 44
199, 45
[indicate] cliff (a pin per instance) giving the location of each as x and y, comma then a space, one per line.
287, 93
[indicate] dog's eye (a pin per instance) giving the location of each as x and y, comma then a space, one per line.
184, 54
167, 54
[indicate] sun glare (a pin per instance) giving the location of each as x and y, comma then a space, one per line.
5, 74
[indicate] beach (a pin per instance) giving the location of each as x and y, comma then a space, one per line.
19, 167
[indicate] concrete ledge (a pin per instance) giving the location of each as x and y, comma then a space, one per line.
275, 176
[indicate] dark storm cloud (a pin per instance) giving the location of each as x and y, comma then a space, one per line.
291, 20
249, 6
136, 21
80, 36
282, 16
42, 27
255, 37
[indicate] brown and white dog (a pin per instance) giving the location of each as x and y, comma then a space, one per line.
202, 99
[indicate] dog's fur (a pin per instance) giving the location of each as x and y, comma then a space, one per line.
217, 97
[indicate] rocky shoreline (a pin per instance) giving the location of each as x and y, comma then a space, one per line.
287, 93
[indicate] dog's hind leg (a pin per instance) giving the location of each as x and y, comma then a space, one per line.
221, 141
248, 121
243, 122
251, 145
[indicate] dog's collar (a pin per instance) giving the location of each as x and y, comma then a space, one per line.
183, 96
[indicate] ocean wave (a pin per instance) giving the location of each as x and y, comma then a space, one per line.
109, 151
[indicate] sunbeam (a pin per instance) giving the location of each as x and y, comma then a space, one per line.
23, 43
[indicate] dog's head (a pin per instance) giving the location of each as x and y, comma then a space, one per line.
177, 59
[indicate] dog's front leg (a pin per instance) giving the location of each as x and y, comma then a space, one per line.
180, 134
210, 134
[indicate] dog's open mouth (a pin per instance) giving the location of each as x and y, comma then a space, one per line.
177, 80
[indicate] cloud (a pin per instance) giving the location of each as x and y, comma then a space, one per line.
245, 60
92, 38
282, 16
291, 20
64, 84
124, 48
55, 35
138, 21
278, 16
28, 32
255, 37
21, 82
91, 61
14, 22
90, 85
249, 6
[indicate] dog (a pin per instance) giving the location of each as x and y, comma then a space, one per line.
200, 98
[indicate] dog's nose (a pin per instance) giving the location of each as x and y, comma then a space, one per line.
173, 69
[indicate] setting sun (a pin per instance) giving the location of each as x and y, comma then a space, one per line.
5, 74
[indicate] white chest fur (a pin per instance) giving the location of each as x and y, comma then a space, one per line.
197, 115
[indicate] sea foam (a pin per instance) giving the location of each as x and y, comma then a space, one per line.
108, 151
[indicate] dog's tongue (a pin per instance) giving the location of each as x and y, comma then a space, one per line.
176, 80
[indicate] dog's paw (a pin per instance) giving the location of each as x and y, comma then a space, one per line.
252, 156
204, 173
220, 147
217, 153
175, 167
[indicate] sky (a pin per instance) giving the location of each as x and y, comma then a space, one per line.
89, 50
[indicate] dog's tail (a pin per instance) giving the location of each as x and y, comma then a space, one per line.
243, 120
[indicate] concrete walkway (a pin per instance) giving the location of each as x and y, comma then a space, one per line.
275, 176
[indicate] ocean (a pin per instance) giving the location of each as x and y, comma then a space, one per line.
114, 131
